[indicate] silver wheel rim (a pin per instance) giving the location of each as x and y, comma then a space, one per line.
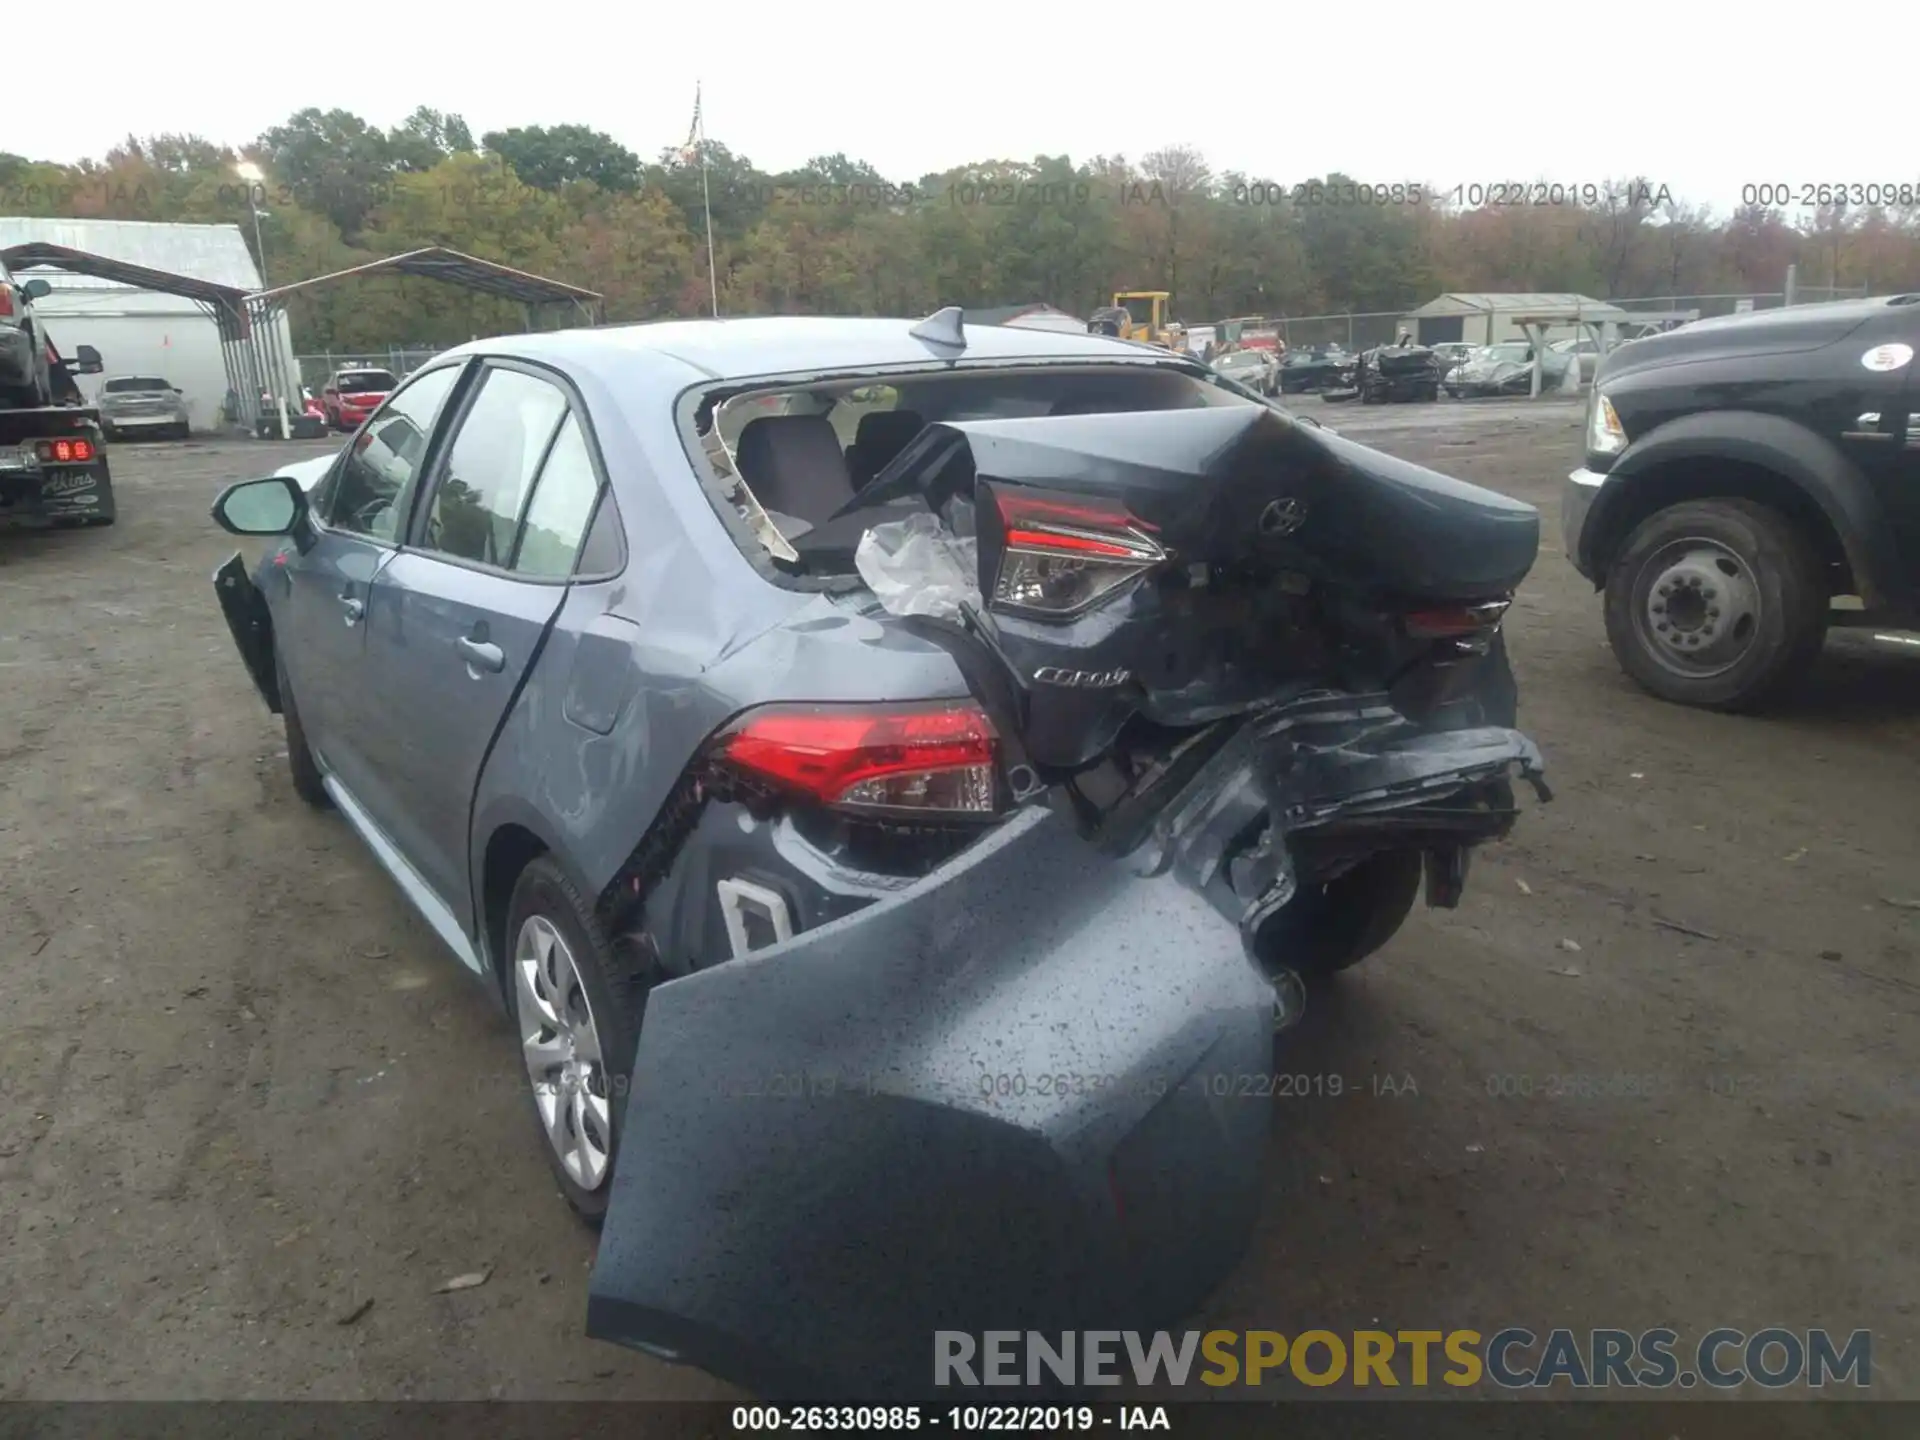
1699, 612
562, 1049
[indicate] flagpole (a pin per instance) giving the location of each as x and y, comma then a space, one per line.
706, 201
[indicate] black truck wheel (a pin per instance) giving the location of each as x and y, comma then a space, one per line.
1716, 603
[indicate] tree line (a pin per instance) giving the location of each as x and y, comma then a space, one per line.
837, 237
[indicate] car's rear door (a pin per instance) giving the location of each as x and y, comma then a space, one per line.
359, 515
459, 616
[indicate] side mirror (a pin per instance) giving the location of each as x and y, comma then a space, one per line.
272, 506
87, 360
36, 289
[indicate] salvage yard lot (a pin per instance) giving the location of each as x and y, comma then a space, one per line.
1658, 1069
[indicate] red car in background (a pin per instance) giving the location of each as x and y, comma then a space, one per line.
350, 396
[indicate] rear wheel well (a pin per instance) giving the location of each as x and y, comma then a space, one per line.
1677, 481
510, 850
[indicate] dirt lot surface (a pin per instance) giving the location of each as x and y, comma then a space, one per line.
1657, 1069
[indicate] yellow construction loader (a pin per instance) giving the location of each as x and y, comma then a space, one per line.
1138, 315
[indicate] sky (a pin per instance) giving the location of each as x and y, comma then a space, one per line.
1703, 100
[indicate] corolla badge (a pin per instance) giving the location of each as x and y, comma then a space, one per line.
1080, 679
1283, 516
1887, 357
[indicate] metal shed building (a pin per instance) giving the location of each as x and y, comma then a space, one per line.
144, 332
1488, 319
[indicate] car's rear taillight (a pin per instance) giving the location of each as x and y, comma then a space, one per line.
65, 452
6, 302
1469, 626
913, 760
1061, 554
1452, 622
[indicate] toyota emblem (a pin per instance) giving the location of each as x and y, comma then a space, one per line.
1283, 516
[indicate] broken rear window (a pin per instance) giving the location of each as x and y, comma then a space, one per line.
820, 444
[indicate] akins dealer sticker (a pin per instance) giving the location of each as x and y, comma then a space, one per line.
1887, 357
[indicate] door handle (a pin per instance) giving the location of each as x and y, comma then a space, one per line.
481, 656
354, 608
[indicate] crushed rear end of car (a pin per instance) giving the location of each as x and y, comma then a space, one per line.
1000, 968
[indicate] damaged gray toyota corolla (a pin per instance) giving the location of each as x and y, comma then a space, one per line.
884, 771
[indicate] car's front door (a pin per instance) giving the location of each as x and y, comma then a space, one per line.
359, 515
460, 614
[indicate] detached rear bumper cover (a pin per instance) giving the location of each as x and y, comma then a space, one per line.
1007, 1098
250, 624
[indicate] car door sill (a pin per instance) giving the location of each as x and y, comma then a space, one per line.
432, 909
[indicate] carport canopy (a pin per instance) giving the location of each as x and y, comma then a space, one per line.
436, 262
33, 253
226, 304
1537, 323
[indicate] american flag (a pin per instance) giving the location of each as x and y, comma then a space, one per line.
691, 151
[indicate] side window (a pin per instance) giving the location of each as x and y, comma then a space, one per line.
561, 511
373, 488
474, 511
604, 551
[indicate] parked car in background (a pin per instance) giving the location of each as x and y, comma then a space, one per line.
1506, 369
1450, 354
1256, 369
142, 405
1316, 367
1397, 374
350, 396
630, 751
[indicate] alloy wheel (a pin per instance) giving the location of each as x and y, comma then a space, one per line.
562, 1049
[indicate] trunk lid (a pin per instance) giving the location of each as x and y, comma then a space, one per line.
1226, 557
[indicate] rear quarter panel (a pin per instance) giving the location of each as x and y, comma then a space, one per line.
640, 670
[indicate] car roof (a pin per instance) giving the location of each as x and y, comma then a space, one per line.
773, 345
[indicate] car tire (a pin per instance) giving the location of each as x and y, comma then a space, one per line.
308, 783
1325, 929
579, 977
1756, 584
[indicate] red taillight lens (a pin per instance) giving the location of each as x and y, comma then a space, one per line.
65, 452
1456, 622
1063, 554
926, 759
6, 301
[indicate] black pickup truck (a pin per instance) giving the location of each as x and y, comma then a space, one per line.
1741, 474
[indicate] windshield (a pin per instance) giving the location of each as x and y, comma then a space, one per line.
128, 383
1141, 309
366, 382
1502, 353
1239, 360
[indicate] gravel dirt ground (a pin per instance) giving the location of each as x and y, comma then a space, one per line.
1657, 1069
